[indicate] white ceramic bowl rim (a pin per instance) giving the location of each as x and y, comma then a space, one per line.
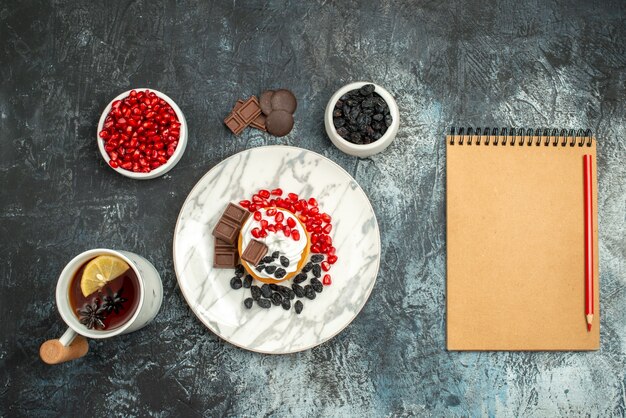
62, 294
180, 148
387, 97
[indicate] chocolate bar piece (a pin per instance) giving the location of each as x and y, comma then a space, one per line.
226, 258
236, 213
258, 123
249, 110
254, 252
222, 245
234, 122
226, 230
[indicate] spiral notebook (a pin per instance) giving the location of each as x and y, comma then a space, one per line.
515, 240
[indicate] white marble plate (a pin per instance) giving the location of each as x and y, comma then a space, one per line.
355, 235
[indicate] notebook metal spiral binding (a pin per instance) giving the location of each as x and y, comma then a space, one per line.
506, 136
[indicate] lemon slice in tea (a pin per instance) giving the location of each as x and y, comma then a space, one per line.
99, 271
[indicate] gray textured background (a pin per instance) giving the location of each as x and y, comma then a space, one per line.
535, 63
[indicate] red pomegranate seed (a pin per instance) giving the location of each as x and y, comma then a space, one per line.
329, 240
314, 238
113, 163
332, 259
325, 266
331, 250
293, 197
312, 201
277, 192
279, 217
264, 193
252, 207
244, 204
326, 217
326, 281
314, 210
271, 228
279, 226
315, 249
255, 232
264, 223
309, 228
295, 235
303, 203
317, 229
263, 233
304, 211
291, 222
286, 230
271, 212
257, 216
327, 228
256, 198
303, 218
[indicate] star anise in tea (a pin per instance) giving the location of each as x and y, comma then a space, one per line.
114, 302
92, 316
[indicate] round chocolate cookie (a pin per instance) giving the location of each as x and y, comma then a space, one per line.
284, 100
279, 123
265, 102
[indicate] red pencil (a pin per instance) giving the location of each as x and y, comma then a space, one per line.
589, 265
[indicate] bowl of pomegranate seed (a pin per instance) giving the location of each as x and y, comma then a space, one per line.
362, 119
142, 134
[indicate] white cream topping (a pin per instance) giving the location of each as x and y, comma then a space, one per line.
276, 241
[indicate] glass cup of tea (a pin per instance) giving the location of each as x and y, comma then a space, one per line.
102, 293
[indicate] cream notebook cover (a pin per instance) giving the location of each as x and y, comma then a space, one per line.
515, 241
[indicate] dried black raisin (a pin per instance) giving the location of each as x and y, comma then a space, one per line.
298, 307
338, 122
367, 89
280, 273
307, 267
235, 283
277, 298
317, 258
248, 302
267, 259
309, 292
239, 270
284, 261
266, 291
264, 303
274, 287
260, 267
247, 281
256, 292
275, 254
270, 269
317, 285
299, 278
317, 270
298, 290
286, 304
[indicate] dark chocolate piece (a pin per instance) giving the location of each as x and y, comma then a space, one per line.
254, 252
284, 100
226, 230
225, 259
249, 110
279, 123
265, 101
236, 213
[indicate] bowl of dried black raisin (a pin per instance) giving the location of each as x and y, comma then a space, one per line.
362, 119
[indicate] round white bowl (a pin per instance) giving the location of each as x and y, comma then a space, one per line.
368, 149
171, 162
